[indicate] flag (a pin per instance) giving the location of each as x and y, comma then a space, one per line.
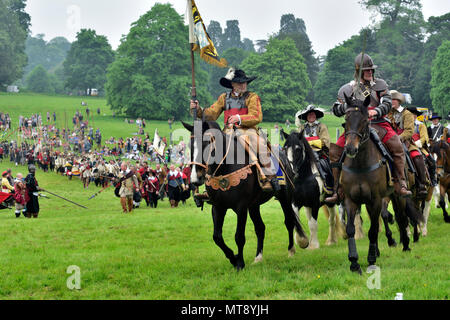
200, 38
158, 144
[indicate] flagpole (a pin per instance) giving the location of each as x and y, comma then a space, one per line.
193, 90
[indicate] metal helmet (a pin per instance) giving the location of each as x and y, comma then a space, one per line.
367, 63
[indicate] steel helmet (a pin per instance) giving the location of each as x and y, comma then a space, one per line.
367, 63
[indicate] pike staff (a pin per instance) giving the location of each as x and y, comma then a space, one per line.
64, 198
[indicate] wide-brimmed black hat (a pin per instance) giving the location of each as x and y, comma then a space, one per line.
311, 108
235, 75
414, 111
436, 116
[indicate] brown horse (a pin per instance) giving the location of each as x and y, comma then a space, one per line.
442, 150
365, 181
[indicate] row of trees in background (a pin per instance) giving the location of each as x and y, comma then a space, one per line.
149, 74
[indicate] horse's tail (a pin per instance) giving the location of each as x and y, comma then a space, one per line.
415, 215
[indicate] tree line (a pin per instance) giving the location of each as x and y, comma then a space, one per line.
149, 75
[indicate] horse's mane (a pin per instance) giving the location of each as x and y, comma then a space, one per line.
309, 151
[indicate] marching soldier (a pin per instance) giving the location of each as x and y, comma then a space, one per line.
127, 188
31, 196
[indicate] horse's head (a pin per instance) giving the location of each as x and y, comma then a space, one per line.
356, 124
442, 150
295, 150
203, 137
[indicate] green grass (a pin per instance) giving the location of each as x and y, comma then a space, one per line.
170, 254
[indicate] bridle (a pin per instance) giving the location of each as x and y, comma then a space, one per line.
212, 141
365, 136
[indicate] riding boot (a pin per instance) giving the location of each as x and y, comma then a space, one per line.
396, 149
422, 176
336, 168
432, 170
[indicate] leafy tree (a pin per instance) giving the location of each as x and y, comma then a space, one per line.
440, 79
231, 37
87, 61
282, 82
438, 29
295, 29
151, 76
392, 10
14, 27
39, 81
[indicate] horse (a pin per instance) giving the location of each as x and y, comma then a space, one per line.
309, 189
442, 150
365, 181
233, 184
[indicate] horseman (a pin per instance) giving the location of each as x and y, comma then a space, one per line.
318, 137
242, 109
380, 105
436, 130
402, 121
421, 140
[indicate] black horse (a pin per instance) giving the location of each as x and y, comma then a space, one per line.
309, 187
232, 183
365, 181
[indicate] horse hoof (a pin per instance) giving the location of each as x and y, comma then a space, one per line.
291, 252
258, 258
356, 269
424, 232
313, 246
302, 242
330, 242
406, 249
392, 243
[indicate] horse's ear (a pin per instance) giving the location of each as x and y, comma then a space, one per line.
188, 126
285, 135
347, 99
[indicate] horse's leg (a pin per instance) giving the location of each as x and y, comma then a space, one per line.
311, 215
334, 225
300, 237
289, 220
260, 228
426, 214
385, 216
342, 218
351, 209
399, 205
359, 232
446, 217
240, 236
374, 214
218, 215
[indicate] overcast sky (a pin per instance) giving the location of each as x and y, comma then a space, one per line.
328, 22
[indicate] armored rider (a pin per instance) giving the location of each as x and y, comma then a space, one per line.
380, 105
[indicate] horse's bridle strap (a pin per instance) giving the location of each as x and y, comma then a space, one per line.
363, 170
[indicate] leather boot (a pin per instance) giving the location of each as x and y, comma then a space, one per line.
172, 203
422, 176
335, 155
396, 149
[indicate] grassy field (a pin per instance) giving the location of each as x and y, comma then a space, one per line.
168, 253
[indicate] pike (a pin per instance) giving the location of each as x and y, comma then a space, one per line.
64, 198
130, 174
358, 81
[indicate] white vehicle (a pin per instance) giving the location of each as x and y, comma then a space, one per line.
14, 89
